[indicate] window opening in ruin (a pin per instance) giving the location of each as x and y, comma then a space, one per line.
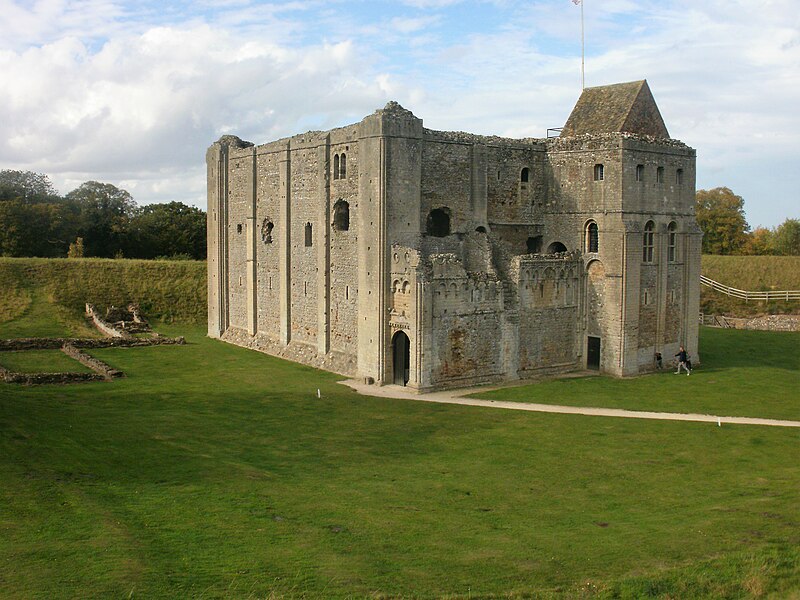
639, 172
672, 242
498, 176
646, 299
525, 175
438, 224
679, 177
239, 228
556, 247
591, 237
266, 231
343, 166
347, 292
534, 244
336, 166
480, 229
660, 175
647, 242
599, 172
305, 288
309, 235
341, 216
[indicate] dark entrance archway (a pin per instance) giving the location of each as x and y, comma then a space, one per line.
593, 353
401, 357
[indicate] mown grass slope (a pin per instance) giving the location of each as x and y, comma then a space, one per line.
48, 295
750, 273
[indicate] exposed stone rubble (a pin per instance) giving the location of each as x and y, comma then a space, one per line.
119, 325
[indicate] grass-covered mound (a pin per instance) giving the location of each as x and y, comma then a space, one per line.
752, 274
47, 296
213, 471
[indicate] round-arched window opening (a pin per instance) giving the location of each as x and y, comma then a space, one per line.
534, 244
341, 216
556, 247
438, 224
524, 175
480, 229
592, 237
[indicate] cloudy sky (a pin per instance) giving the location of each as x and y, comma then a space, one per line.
132, 93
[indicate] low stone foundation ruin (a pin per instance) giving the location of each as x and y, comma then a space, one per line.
119, 327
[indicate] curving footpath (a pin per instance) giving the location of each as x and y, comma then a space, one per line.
457, 397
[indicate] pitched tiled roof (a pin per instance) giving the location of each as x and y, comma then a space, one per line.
621, 107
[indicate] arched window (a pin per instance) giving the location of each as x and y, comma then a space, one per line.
480, 229
534, 244
556, 248
599, 172
343, 166
591, 237
336, 166
648, 242
341, 216
524, 175
672, 232
309, 235
438, 224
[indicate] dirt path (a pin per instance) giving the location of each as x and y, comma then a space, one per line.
457, 397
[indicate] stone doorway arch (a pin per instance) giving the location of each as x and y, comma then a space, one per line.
401, 358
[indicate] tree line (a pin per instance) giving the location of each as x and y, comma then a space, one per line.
720, 214
99, 219
95, 219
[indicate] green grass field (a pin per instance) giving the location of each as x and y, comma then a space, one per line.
41, 361
212, 471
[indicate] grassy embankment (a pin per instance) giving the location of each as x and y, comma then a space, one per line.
215, 471
752, 274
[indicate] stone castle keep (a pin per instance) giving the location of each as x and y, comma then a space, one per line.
431, 259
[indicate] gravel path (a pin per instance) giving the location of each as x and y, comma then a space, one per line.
457, 397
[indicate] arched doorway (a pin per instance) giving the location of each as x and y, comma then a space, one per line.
401, 357
556, 247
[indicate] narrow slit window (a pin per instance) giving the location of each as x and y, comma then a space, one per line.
679, 177
343, 166
309, 235
336, 166
660, 175
639, 172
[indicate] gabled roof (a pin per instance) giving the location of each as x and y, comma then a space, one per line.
621, 107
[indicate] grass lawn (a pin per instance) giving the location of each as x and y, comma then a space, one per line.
213, 471
743, 374
41, 361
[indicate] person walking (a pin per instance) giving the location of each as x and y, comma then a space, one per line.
682, 360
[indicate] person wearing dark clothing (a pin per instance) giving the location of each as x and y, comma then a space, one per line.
659, 361
683, 358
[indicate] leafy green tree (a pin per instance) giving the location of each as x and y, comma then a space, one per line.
26, 187
786, 238
105, 212
166, 230
34, 229
720, 214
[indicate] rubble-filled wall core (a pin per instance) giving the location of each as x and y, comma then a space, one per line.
430, 259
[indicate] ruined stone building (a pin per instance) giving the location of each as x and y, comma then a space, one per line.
392, 252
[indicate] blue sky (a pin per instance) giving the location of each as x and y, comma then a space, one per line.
133, 93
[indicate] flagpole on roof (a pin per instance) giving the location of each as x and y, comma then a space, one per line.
583, 83
583, 53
